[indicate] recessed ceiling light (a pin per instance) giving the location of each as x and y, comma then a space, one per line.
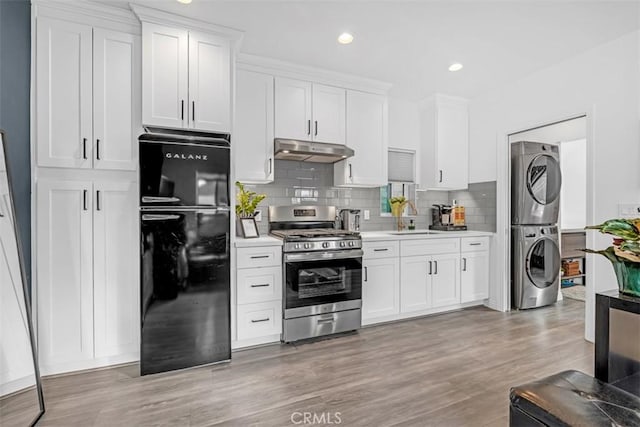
345, 38
455, 67
184, 1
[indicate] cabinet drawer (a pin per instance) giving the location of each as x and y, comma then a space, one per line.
474, 244
381, 249
429, 247
260, 319
263, 256
259, 284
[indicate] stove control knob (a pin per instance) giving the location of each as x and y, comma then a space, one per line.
325, 244
307, 245
351, 244
296, 246
343, 244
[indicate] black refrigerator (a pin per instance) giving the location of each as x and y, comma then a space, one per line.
184, 249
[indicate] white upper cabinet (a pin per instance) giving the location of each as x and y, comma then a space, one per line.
309, 111
329, 112
253, 133
186, 79
293, 109
63, 85
87, 96
209, 82
367, 135
165, 74
444, 138
116, 99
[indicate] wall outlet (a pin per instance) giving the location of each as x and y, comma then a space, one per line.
629, 211
258, 215
367, 215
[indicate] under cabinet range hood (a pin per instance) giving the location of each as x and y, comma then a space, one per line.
308, 151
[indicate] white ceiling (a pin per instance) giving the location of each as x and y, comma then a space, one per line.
412, 44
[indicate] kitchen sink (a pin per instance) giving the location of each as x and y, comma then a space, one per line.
413, 233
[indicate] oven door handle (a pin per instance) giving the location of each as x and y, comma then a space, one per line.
320, 256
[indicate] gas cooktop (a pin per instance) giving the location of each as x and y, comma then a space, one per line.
313, 233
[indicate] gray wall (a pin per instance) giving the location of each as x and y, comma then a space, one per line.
312, 183
15, 60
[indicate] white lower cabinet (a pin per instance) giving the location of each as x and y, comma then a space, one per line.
86, 285
414, 277
380, 288
258, 295
474, 270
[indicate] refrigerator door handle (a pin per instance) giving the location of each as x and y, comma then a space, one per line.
155, 217
151, 199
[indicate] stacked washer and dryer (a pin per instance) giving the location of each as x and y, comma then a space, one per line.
535, 204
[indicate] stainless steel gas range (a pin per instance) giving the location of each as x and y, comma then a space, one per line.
322, 272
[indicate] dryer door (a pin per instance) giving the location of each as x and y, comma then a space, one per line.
543, 263
544, 179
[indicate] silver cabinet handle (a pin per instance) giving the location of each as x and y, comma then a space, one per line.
309, 127
84, 200
316, 131
84, 148
97, 149
381, 250
260, 320
440, 175
436, 270
350, 172
270, 165
464, 264
182, 110
193, 111
97, 200
366, 275
259, 256
429, 267
475, 244
261, 285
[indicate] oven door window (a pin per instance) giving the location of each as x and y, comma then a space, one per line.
322, 282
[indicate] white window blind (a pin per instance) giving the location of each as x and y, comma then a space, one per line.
402, 166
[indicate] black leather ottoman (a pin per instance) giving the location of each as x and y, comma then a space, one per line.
572, 398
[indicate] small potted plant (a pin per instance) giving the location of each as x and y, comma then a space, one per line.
246, 204
624, 253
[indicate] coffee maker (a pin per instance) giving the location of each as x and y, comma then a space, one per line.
350, 219
441, 219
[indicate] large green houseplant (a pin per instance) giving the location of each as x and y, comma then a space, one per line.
624, 253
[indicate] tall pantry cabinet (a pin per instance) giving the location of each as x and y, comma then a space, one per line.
87, 117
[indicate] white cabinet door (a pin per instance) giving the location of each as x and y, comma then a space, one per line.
165, 76
116, 99
63, 94
415, 284
453, 147
116, 278
209, 83
474, 280
292, 109
253, 134
444, 137
445, 281
367, 135
64, 280
329, 114
380, 288
259, 284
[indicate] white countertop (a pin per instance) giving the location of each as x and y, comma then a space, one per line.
371, 236
258, 241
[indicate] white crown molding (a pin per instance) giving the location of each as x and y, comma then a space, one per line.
89, 12
302, 72
443, 99
160, 17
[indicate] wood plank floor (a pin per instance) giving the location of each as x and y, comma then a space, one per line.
453, 369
